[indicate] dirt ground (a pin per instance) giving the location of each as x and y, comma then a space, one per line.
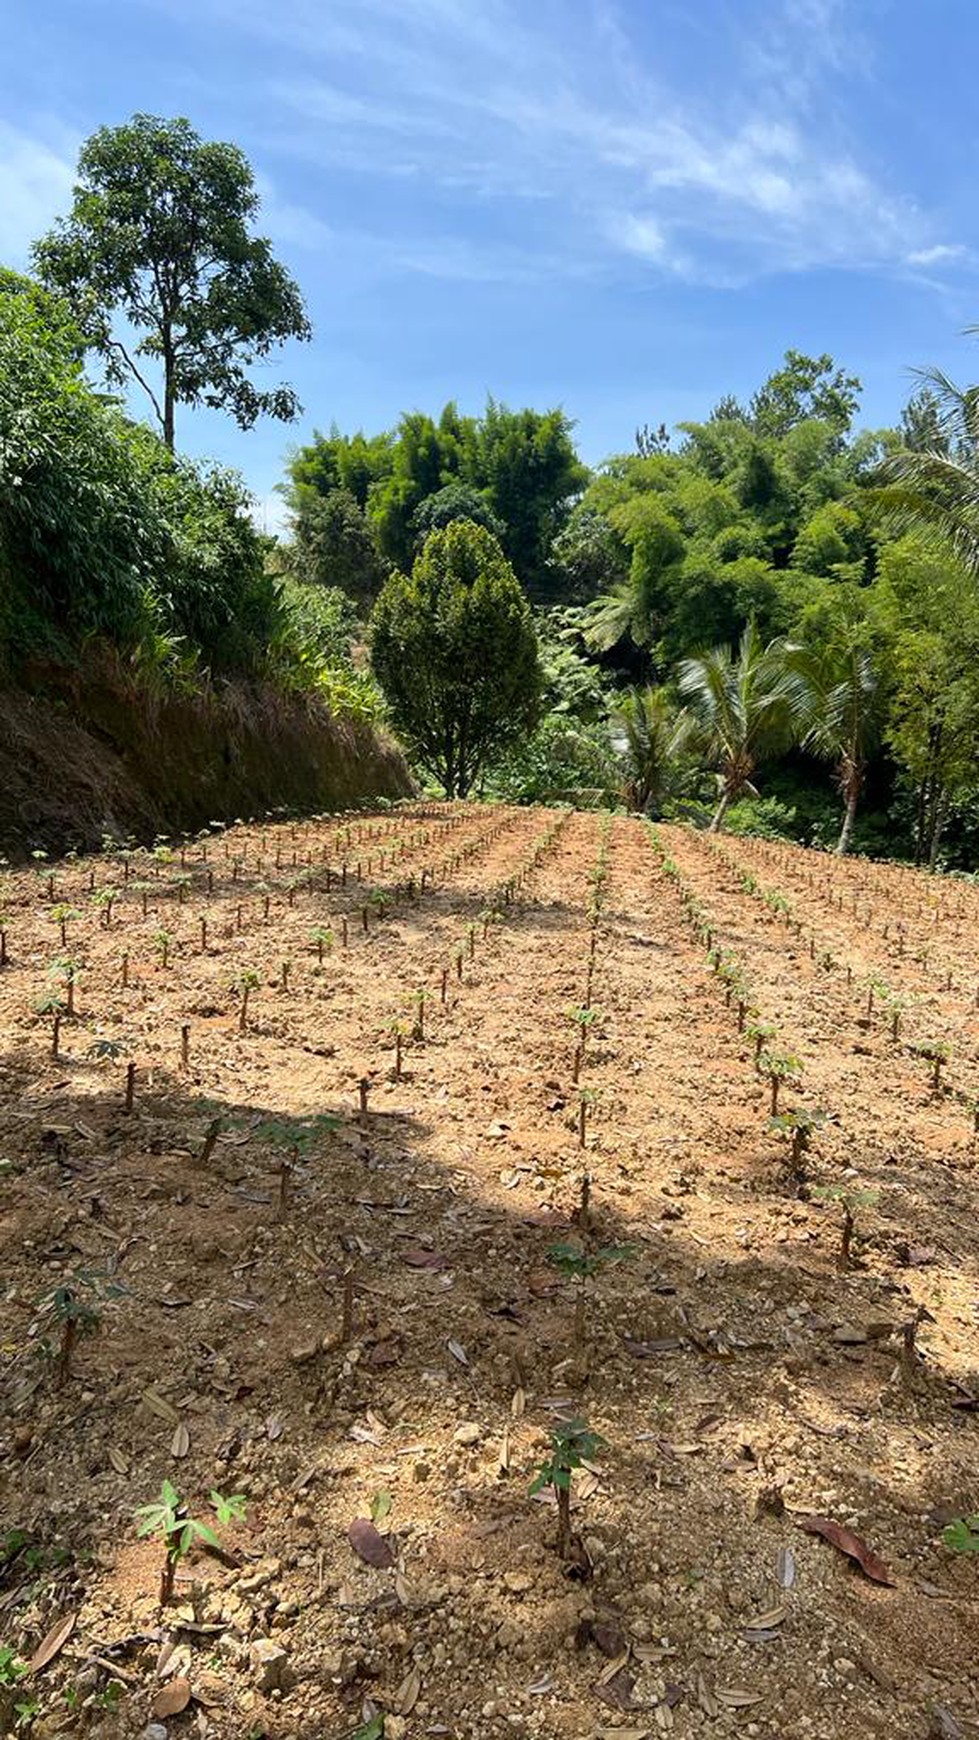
743, 1381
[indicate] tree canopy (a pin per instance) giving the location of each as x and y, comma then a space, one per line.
165, 277
454, 650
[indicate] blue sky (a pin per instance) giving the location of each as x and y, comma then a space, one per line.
626, 207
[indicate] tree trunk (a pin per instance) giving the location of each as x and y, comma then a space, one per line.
937, 829
720, 812
852, 790
169, 396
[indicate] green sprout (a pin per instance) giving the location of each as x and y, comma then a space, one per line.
573, 1443
74, 1305
779, 1066
962, 1535
850, 1199
168, 1518
245, 983
800, 1125
323, 939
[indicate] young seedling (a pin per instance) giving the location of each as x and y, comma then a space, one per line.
572, 1444
75, 1307
162, 941
106, 899
760, 1032
246, 982
418, 1031
850, 1201
779, 1067
322, 938
62, 916
799, 1126
961, 1536
577, 1265
65, 972
936, 1052
168, 1518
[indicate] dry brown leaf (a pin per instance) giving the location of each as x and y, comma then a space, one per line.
518, 1403
180, 1443
159, 1406
767, 1621
505, 1451
737, 1698
845, 1541
785, 1567
613, 1667
118, 1460
406, 1696
53, 1643
172, 1698
417, 1257
458, 1352
369, 1545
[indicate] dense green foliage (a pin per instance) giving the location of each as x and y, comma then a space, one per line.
159, 233
514, 472
455, 652
105, 535
766, 619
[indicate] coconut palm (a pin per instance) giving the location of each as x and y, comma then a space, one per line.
841, 695
747, 705
938, 485
651, 734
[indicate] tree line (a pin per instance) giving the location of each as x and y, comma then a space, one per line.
730, 619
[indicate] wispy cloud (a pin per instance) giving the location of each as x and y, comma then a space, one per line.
36, 175
587, 141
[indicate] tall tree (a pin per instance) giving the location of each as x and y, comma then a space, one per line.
843, 698
167, 281
748, 705
454, 649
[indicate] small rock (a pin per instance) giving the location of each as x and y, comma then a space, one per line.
469, 1433
270, 1663
154, 1731
304, 1351
420, 1471
518, 1582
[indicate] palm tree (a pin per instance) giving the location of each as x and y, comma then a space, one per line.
651, 733
748, 705
938, 485
841, 694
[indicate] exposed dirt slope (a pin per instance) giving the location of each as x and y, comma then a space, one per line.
81, 757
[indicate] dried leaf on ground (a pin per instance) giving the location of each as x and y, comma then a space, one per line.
369, 1545
847, 1542
180, 1443
417, 1257
53, 1643
172, 1698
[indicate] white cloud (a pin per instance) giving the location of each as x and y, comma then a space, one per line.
36, 177
938, 255
566, 119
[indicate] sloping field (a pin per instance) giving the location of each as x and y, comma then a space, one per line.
294, 1206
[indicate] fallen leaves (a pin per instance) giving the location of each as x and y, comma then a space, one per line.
845, 1541
369, 1545
53, 1643
172, 1698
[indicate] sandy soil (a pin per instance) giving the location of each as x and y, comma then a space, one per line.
741, 1379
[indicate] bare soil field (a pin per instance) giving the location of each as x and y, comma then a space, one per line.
342, 1161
